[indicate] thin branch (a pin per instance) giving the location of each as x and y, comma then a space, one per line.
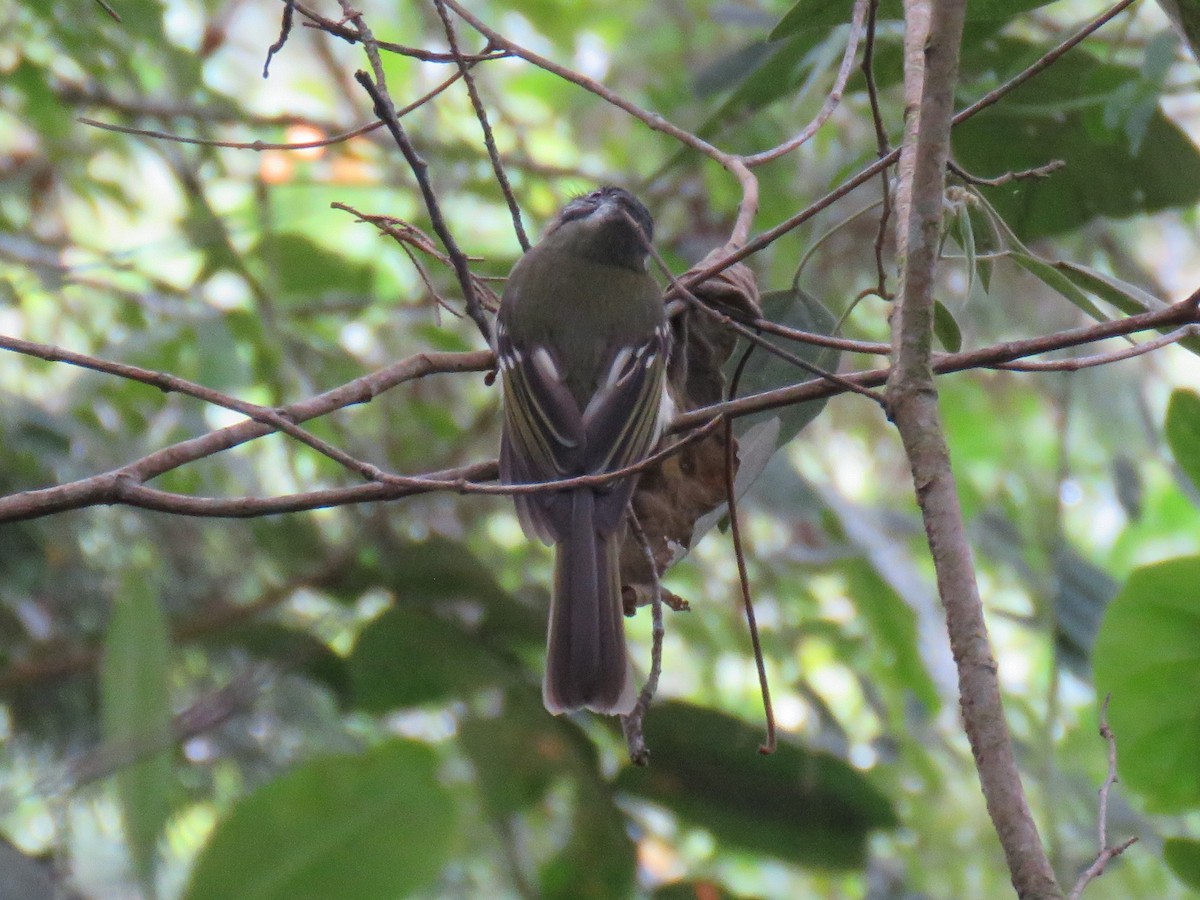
832, 99
730, 162
377, 90
631, 725
125, 484
682, 290
1075, 363
232, 145
1183, 313
739, 551
285, 30
1106, 853
173, 384
1038, 172
108, 9
107, 487
339, 29
481, 114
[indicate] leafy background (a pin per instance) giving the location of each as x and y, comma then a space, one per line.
345, 702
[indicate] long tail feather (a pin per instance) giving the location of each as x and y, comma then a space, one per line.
587, 665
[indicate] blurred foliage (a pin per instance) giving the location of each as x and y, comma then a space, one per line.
393, 741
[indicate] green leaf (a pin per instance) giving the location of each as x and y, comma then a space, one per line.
523, 752
304, 270
375, 825
1047, 119
893, 625
965, 234
1147, 656
1183, 432
1183, 857
291, 648
136, 718
407, 657
945, 327
766, 371
1055, 280
798, 805
809, 14
1128, 298
1083, 592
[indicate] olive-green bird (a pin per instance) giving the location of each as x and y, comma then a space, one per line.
583, 340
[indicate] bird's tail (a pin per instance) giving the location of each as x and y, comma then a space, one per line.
587, 665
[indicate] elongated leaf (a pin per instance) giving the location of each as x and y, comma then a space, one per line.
1147, 656
1183, 432
377, 825
805, 807
1055, 280
1129, 298
945, 327
765, 371
407, 657
136, 719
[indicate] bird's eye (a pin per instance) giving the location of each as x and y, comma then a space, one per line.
595, 195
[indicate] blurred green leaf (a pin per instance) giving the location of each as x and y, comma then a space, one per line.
945, 328
407, 657
519, 756
1048, 119
1055, 280
1083, 592
894, 627
693, 890
304, 270
1147, 656
765, 371
293, 650
375, 825
136, 717
808, 808
1183, 856
809, 14
1183, 432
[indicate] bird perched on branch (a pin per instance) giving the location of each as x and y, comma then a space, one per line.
583, 340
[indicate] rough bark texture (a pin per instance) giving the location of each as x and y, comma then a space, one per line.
933, 34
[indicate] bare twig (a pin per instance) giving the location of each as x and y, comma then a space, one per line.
631, 725
678, 288
832, 99
173, 384
868, 172
233, 145
883, 148
1106, 853
481, 114
739, 551
385, 111
1183, 313
108, 9
1039, 172
108, 487
285, 29
1075, 363
339, 29
730, 162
